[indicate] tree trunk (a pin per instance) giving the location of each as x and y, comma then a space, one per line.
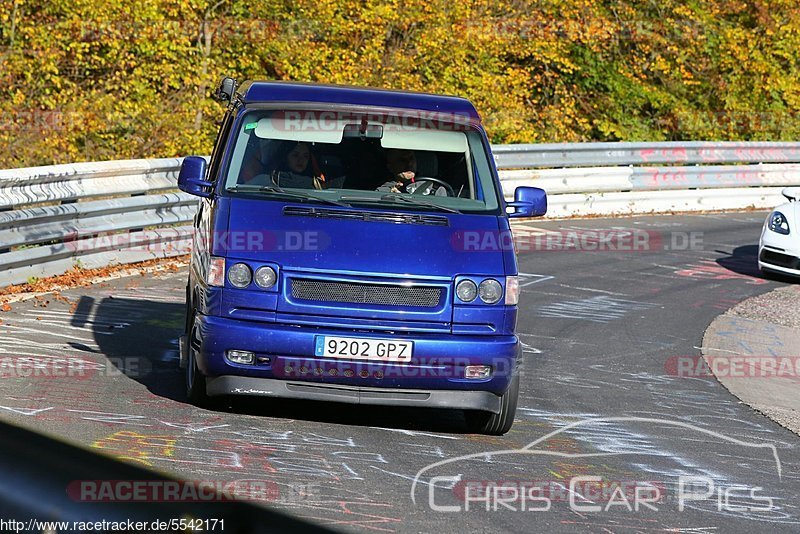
13, 30
204, 41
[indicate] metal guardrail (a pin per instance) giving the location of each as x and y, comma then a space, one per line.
661, 153
92, 215
640, 178
96, 214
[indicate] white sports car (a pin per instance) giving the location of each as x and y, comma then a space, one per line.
779, 246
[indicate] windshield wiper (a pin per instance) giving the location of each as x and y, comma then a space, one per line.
292, 194
397, 199
417, 202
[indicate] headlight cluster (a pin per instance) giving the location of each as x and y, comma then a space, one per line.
778, 223
489, 290
240, 275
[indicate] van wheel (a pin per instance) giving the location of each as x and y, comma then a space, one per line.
195, 380
496, 424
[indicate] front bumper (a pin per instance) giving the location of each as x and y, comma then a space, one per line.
286, 361
243, 385
779, 253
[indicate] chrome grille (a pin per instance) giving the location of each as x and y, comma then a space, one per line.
358, 293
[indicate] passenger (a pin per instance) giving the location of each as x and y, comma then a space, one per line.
251, 168
253, 171
300, 169
296, 168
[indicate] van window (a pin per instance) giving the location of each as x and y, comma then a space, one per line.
362, 159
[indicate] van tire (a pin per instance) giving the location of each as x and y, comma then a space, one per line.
496, 424
195, 380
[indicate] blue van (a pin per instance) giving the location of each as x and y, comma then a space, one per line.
352, 245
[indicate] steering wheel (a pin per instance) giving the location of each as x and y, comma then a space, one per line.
448, 188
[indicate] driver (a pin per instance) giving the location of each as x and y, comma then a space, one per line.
401, 165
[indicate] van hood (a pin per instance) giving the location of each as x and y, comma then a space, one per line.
362, 240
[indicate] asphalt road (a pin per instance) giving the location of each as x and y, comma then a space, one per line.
600, 398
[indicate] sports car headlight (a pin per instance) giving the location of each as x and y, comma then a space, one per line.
778, 223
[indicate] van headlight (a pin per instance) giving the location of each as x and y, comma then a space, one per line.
265, 277
778, 223
239, 275
466, 290
490, 291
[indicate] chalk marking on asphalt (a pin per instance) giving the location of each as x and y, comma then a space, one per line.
593, 290
533, 229
737, 353
45, 320
26, 411
670, 267
414, 432
27, 343
355, 475
192, 427
71, 337
538, 278
58, 354
570, 342
450, 485
114, 418
595, 309
529, 349
86, 319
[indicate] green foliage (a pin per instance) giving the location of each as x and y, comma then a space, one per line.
93, 80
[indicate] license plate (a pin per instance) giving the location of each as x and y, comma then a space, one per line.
353, 348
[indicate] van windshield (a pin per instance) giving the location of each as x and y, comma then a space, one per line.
406, 160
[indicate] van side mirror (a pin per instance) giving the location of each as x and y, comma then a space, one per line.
225, 89
528, 202
192, 178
